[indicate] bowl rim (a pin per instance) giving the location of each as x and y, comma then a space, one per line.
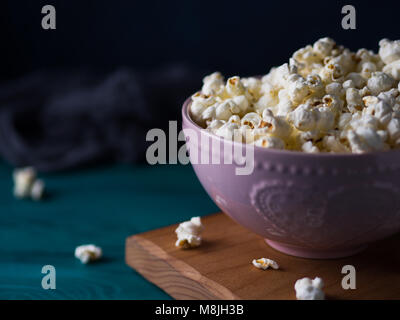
292, 153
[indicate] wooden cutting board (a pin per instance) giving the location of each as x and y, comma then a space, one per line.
221, 267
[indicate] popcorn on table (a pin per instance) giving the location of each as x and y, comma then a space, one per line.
264, 263
26, 185
309, 289
189, 233
88, 253
325, 99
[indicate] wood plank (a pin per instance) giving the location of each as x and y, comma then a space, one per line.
221, 267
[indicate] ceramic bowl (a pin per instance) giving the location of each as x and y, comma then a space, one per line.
306, 205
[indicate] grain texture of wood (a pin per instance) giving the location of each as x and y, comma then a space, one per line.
221, 267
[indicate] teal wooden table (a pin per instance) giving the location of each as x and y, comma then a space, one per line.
100, 205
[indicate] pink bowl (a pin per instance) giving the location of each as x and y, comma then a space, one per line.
306, 205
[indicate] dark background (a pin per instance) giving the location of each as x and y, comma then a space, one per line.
89, 91
235, 37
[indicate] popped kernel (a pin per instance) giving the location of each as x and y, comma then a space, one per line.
189, 233
26, 185
265, 263
309, 289
88, 253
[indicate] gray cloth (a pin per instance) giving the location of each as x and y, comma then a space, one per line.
60, 120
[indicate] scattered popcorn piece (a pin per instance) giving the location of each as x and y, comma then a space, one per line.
37, 190
88, 253
189, 233
27, 185
23, 180
187, 241
307, 289
264, 263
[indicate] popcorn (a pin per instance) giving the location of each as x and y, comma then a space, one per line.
308, 289
308, 147
389, 51
323, 47
364, 120
393, 129
381, 111
307, 56
26, 185
23, 180
367, 68
276, 126
325, 99
224, 110
206, 100
354, 100
333, 102
390, 97
196, 110
229, 130
270, 142
344, 120
297, 88
212, 84
267, 100
336, 89
332, 144
348, 84
252, 119
370, 101
357, 79
364, 91
234, 86
304, 118
37, 190
234, 119
277, 77
209, 113
365, 139
326, 119
393, 69
253, 86
285, 105
379, 82
315, 85
189, 233
88, 253
264, 263
331, 72
241, 102
216, 124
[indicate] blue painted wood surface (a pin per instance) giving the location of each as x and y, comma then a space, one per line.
100, 205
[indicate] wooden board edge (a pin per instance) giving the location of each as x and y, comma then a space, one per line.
175, 277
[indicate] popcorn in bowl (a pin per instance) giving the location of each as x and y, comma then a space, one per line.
325, 99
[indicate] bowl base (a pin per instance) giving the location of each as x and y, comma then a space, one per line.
314, 253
